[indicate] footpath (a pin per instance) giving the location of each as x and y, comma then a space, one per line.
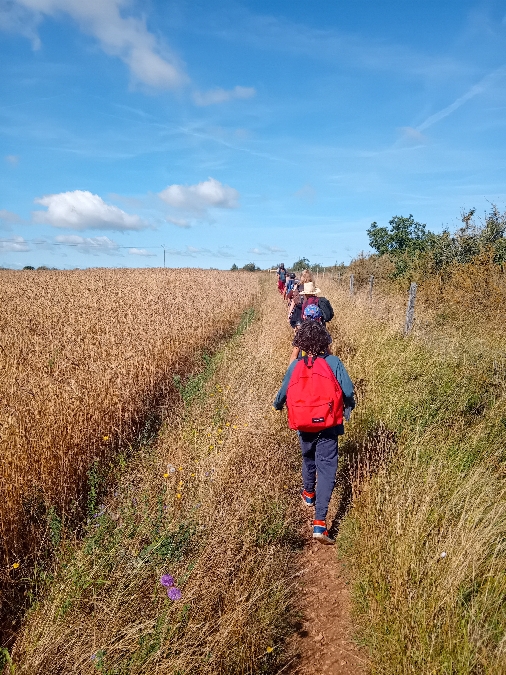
215, 503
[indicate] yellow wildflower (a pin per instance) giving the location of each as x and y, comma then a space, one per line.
106, 438
15, 566
180, 468
270, 649
165, 475
178, 495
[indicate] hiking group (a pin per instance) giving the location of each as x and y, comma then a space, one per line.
317, 391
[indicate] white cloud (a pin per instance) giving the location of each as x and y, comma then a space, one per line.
142, 252
82, 210
306, 192
14, 245
126, 37
89, 245
194, 252
412, 135
264, 250
209, 193
13, 160
220, 95
179, 222
9, 216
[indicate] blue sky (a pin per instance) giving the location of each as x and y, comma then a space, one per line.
242, 131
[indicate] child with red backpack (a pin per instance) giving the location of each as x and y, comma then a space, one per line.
319, 395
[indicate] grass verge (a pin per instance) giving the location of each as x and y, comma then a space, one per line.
425, 540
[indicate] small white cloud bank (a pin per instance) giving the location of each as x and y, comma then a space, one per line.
9, 216
306, 192
13, 160
82, 210
208, 194
412, 135
179, 222
219, 95
195, 252
14, 245
262, 249
125, 37
88, 245
142, 252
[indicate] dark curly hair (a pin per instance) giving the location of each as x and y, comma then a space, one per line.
312, 337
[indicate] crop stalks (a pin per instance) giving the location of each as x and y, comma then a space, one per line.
89, 359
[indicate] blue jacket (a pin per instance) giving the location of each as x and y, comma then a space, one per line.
337, 367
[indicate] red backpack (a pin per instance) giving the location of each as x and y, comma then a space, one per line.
314, 397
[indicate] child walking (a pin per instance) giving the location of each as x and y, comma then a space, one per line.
319, 396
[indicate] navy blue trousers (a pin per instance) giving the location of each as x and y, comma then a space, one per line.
319, 463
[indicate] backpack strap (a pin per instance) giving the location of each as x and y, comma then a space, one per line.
312, 360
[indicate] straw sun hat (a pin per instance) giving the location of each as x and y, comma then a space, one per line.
310, 289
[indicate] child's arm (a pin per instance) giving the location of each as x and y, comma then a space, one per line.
280, 399
344, 380
294, 355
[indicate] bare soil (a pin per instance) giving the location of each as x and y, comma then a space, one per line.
324, 643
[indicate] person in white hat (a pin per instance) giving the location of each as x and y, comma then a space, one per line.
310, 294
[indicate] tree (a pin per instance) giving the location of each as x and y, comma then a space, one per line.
234, 268
404, 235
250, 267
28, 267
301, 265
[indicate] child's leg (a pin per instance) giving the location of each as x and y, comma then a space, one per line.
308, 447
326, 468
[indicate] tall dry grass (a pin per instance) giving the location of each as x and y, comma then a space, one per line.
85, 355
425, 540
214, 502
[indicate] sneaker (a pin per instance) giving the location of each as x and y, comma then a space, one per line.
309, 498
320, 533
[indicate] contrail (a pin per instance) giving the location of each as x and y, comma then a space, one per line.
474, 91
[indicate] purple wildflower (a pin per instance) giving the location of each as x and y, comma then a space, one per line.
174, 593
167, 580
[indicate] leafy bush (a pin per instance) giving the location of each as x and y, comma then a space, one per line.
415, 252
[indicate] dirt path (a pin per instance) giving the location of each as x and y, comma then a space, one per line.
324, 641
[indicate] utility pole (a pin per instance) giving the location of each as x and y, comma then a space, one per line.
162, 245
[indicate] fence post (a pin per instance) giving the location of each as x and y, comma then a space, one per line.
352, 282
339, 278
410, 313
371, 285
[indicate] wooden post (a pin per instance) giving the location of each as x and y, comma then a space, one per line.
371, 285
352, 283
410, 313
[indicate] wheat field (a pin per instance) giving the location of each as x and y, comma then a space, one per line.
84, 357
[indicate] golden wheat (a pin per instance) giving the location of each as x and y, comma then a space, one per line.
82, 354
